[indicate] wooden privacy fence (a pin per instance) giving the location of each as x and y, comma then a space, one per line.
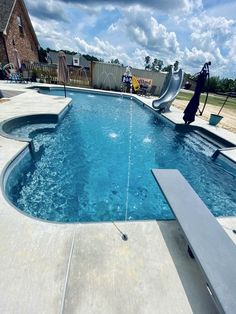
80, 77
47, 73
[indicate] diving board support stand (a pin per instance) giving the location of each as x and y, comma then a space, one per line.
212, 248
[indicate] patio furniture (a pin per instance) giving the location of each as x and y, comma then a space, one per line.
212, 248
143, 90
25, 76
15, 77
151, 91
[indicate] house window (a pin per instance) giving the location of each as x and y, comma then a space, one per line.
20, 24
75, 61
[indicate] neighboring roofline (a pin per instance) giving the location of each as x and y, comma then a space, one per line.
30, 23
5, 29
28, 18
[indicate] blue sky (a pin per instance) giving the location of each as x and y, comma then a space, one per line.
190, 31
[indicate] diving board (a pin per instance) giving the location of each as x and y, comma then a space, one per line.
212, 248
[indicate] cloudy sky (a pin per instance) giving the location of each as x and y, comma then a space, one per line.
190, 31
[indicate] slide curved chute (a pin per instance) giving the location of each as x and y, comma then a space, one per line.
173, 87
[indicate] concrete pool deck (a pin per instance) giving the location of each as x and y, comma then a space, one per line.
88, 268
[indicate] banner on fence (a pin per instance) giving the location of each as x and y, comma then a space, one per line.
144, 81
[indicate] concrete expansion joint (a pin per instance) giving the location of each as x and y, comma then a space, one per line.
67, 273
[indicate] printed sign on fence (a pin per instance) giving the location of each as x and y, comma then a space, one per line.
144, 81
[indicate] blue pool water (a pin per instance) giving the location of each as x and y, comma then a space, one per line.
96, 165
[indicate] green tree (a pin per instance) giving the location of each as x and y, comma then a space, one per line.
214, 84
176, 65
68, 52
42, 55
227, 85
157, 65
90, 58
115, 61
167, 68
147, 62
188, 76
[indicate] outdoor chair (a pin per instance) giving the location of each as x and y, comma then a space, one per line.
15, 77
25, 76
152, 90
143, 90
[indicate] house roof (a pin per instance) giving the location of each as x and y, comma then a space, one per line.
6, 8
5, 12
53, 57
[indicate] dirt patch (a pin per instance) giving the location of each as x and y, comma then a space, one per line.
228, 122
3, 100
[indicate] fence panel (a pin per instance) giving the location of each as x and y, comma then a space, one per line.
108, 76
47, 73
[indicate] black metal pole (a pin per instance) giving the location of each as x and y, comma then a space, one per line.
208, 78
201, 112
65, 89
223, 104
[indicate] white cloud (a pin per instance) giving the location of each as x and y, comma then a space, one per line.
204, 40
58, 37
145, 30
194, 59
137, 58
223, 8
49, 10
113, 28
231, 46
221, 25
101, 49
212, 38
163, 29
168, 6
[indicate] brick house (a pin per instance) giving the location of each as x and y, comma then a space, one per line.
16, 31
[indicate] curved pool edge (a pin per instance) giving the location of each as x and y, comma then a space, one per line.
26, 151
23, 108
7, 125
10, 167
14, 162
37, 257
52, 117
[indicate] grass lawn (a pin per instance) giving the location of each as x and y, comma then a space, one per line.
216, 100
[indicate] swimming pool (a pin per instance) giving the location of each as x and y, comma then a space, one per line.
96, 165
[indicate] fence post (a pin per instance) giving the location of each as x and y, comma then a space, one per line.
92, 65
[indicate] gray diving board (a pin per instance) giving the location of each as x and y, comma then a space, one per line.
211, 246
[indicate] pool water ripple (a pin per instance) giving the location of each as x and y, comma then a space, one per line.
96, 165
